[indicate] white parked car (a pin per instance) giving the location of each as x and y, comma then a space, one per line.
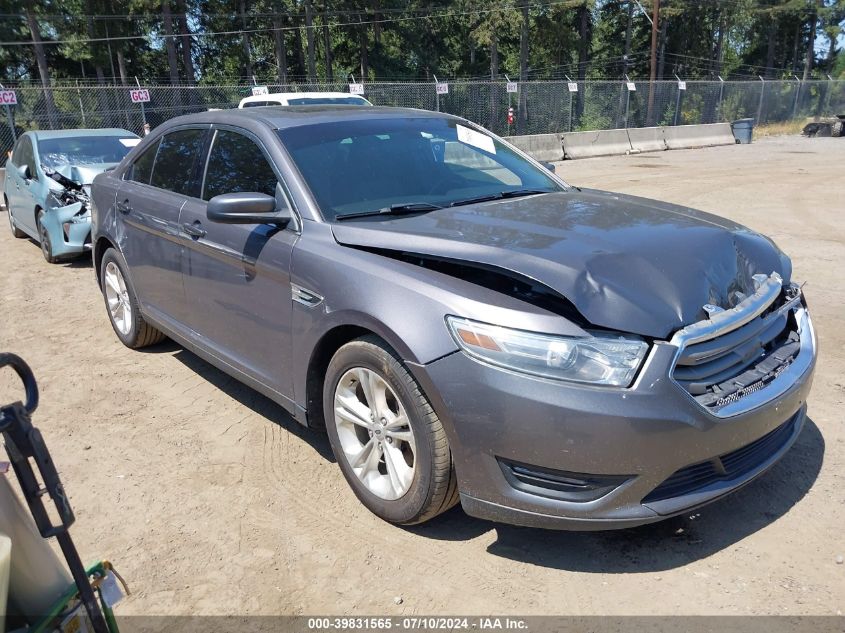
303, 98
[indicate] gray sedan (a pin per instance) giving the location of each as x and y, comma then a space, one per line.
465, 325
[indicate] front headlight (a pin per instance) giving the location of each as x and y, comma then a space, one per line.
600, 359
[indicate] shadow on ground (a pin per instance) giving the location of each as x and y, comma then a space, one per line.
248, 397
660, 546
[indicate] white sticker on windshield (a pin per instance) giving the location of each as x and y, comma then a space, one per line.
130, 142
476, 139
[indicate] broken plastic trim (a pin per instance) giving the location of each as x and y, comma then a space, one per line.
774, 381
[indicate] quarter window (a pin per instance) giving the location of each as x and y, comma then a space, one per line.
174, 163
237, 164
142, 168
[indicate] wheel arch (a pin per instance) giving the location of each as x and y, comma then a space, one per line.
100, 247
321, 356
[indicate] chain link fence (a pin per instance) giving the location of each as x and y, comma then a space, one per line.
539, 106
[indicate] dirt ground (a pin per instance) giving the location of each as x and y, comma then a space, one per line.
210, 500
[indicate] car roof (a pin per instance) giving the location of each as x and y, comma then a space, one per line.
109, 131
281, 117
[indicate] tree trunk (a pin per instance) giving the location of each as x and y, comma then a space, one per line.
522, 114
720, 42
770, 46
297, 42
95, 53
623, 93
41, 60
187, 41
494, 58
309, 37
327, 42
281, 52
811, 41
376, 23
795, 41
245, 42
170, 42
121, 65
831, 55
102, 97
583, 50
365, 62
661, 54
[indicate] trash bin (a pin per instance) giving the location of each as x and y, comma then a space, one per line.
743, 130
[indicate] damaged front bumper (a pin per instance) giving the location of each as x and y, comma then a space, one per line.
538, 452
69, 228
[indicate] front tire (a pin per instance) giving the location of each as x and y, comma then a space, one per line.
387, 439
15, 230
122, 304
44, 241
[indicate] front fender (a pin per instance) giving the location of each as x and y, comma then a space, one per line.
404, 304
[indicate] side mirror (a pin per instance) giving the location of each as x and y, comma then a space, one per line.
23, 172
549, 166
246, 208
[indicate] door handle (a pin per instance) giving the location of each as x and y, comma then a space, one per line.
194, 230
124, 207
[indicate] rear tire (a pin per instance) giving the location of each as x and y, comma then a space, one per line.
837, 128
122, 304
402, 428
15, 230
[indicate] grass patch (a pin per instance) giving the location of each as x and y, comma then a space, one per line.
780, 128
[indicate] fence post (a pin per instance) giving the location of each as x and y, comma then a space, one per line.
569, 81
677, 100
797, 96
81, 107
719, 107
760, 107
826, 107
436, 94
10, 120
143, 112
627, 100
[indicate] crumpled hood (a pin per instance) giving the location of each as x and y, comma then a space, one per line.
83, 174
626, 263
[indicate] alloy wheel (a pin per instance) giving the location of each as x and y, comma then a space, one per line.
375, 433
120, 307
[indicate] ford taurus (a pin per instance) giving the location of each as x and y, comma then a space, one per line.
464, 324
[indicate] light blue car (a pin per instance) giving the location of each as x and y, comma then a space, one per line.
48, 184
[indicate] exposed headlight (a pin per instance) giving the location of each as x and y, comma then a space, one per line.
600, 359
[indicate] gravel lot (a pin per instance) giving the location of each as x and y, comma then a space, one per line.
210, 500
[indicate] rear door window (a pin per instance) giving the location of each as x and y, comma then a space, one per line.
174, 162
261, 104
235, 164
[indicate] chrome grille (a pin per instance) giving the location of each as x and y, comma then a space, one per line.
738, 352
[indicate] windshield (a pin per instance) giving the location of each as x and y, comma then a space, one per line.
84, 150
327, 101
363, 165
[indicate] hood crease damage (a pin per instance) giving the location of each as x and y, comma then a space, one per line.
612, 261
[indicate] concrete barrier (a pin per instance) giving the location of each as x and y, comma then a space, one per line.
688, 136
539, 146
598, 143
647, 139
